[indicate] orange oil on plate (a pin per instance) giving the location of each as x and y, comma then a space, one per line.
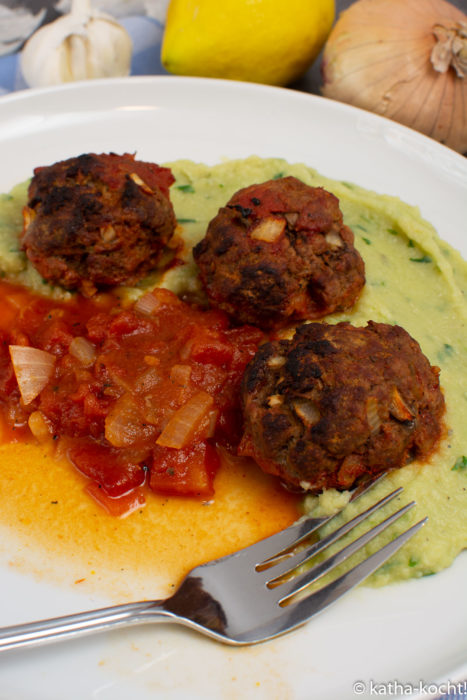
73, 541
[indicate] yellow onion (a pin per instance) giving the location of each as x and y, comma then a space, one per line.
405, 60
33, 369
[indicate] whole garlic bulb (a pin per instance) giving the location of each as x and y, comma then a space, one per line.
81, 45
405, 60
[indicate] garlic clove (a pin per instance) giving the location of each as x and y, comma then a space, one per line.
76, 47
109, 48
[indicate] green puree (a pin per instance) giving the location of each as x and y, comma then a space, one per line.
413, 279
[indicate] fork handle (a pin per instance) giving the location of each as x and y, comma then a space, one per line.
58, 628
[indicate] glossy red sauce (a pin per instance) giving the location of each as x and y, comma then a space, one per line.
149, 402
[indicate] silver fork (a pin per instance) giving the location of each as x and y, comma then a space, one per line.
249, 596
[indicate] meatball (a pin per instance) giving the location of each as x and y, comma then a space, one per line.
97, 220
339, 403
279, 252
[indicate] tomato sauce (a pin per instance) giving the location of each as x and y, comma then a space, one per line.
139, 397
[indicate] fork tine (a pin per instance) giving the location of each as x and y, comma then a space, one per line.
284, 565
274, 547
297, 613
303, 580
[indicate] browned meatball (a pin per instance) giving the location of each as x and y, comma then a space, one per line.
279, 252
97, 220
338, 403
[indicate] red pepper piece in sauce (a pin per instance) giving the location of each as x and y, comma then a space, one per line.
117, 471
189, 471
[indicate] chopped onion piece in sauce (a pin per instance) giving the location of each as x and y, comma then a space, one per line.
39, 426
33, 369
147, 304
124, 424
83, 350
185, 421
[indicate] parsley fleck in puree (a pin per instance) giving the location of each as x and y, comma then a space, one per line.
414, 280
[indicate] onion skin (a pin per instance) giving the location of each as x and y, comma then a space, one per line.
378, 57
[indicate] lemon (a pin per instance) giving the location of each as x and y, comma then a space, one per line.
263, 41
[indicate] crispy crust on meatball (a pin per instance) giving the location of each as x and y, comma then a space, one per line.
338, 403
97, 220
279, 252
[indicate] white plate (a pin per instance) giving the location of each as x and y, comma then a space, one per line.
409, 633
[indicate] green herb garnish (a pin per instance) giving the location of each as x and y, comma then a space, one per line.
445, 352
423, 259
460, 464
